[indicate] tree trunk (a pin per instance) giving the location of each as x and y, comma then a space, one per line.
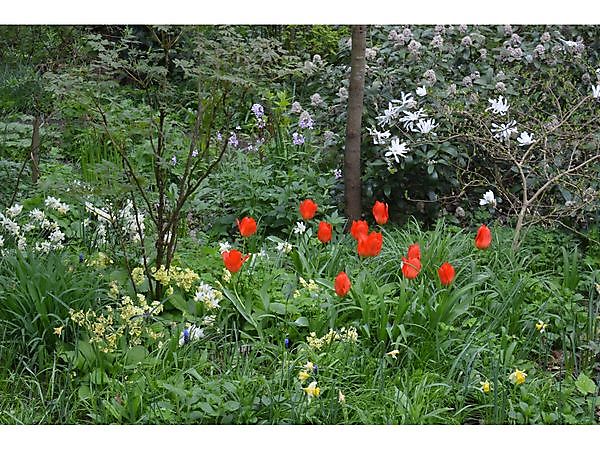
35, 149
352, 182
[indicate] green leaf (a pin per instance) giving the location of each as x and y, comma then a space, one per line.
585, 384
301, 322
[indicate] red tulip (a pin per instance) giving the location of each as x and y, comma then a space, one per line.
308, 209
446, 273
414, 251
247, 226
359, 228
324, 233
411, 267
483, 238
370, 245
342, 284
380, 212
233, 260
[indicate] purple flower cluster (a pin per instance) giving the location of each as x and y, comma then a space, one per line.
305, 120
298, 139
233, 140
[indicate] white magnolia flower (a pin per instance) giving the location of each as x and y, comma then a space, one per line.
525, 139
389, 115
488, 199
397, 149
224, 247
189, 334
503, 132
300, 228
284, 247
425, 126
406, 101
596, 91
421, 91
379, 137
14, 210
410, 118
498, 105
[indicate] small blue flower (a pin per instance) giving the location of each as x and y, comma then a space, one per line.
81, 257
316, 369
286, 342
186, 335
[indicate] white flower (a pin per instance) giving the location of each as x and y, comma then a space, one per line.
397, 149
1, 241
525, 139
406, 101
596, 91
189, 334
284, 247
224, 247
410, 118
21, 243
498, 105
52, 202
43, 247
14, 210
337, 173
388, 115
426, 126
57, 236
208, 295
28, 227
300, 228
421, 91
36, 214
296, 108
379, 137
503, 132
488, 199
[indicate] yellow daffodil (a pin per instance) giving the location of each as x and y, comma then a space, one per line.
341, 398
312, 390
517, 377
541, 326
303, 375
393, 353
486, 387
58, 330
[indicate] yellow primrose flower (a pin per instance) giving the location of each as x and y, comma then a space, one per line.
341, 398
309, 366
137, 275
312, 390
517, 377
58, 330
541, 326
303, 375
393, 353
486, 387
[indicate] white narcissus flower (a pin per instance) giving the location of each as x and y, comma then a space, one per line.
596, 91
525, 139
14, 210
397, 149
284, 247
191, 333
300, 228
421, 91
498, 105
224, 247
488, 199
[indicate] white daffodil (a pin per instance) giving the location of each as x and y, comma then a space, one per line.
421, 91
504, 131
525, 139
284, 247
425, 126
596, 91
14, 210
224, 247
488, 199
379, 137
397, 150
388, 115
300, 228
498, 105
